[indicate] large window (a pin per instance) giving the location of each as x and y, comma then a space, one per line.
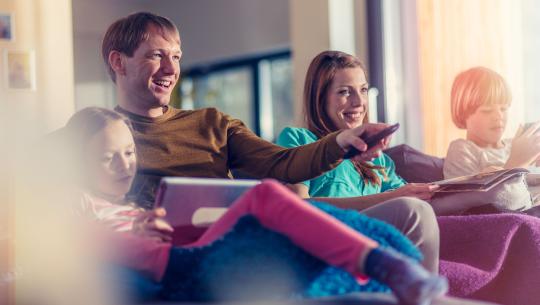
417, 49
256, 90
390, 90
228, 90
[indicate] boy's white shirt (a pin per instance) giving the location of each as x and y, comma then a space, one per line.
464, 157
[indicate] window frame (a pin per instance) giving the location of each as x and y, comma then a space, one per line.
252, 63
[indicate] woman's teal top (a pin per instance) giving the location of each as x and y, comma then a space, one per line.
344, 180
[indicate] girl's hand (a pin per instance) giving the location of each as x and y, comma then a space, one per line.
350, 138
422, 191
525, 147
151, 224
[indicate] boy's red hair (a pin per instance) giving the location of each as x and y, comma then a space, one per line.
476, 87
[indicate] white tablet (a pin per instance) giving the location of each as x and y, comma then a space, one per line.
198, 201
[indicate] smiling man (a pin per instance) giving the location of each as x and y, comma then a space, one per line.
145, 73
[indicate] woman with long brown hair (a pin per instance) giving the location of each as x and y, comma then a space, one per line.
335, 98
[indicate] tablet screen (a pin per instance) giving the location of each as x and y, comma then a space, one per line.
198, 201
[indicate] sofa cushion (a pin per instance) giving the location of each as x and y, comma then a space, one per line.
415, 166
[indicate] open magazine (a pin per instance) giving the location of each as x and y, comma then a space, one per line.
478, 182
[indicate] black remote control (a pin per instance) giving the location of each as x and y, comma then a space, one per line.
372, 140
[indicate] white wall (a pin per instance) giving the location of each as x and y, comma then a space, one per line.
91, 19
45, 30
210, 31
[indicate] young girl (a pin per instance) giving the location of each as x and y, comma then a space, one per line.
104, 144
335, 97
480, 100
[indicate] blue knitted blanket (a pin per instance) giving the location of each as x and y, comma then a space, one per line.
251, 262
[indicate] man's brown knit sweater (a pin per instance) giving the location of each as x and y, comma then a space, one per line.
208, 143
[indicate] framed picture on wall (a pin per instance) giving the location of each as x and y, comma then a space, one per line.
6, 26
20, 70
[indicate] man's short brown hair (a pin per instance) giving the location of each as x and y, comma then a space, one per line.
126, 34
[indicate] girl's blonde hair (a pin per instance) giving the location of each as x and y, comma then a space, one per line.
476, 87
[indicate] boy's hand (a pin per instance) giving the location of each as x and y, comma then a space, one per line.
525, 147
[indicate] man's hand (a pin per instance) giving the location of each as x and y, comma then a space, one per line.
350, 138
151, 224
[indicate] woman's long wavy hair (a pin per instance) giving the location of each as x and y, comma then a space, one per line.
319, 77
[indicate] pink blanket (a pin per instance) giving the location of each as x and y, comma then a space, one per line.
493, 257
